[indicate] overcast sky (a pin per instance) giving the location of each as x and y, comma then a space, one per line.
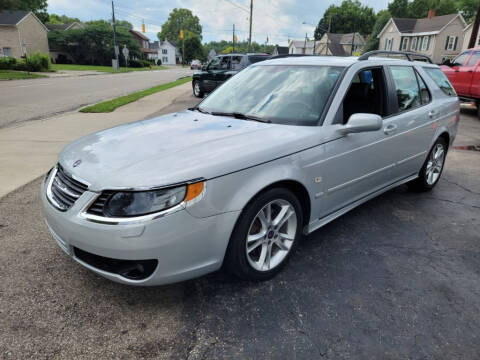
277, 19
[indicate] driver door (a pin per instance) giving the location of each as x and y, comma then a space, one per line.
358, 164
209, 79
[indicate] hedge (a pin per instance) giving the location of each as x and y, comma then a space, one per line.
32, 63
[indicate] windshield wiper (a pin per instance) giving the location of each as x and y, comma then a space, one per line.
241, 116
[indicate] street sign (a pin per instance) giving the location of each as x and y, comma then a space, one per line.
125, 52
181, 34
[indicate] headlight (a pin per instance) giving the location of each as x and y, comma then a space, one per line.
137, 203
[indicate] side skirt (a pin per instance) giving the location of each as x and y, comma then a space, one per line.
318, 223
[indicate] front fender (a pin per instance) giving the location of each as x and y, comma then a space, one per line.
233, 191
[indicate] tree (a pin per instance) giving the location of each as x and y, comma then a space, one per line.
61, 19
468, 8
445, 7
350, 16
94, 44
193, 49
398, 8
180, 19
382, 18
39, 7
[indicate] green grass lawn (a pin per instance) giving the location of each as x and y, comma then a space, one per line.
108, 69
110, 105
17, 75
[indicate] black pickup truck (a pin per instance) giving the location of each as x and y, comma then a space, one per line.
220, 69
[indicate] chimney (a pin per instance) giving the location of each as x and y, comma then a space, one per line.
431, 13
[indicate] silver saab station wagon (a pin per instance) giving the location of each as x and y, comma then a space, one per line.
279, 150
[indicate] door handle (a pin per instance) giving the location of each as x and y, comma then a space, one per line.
390, 129
431, 114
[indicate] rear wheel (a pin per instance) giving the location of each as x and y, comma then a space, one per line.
478, 109
265, 236
432, 168
197, 89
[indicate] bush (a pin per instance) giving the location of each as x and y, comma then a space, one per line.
134, 63
21, 65
7, 63
159, 62
138, 63
38, 62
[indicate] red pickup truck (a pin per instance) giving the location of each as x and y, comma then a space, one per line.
464, 74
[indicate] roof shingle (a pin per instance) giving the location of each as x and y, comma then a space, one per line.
8, 17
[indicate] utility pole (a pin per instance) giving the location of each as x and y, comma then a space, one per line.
328, 34
250, 36
115, 50
353, 40
305, 45
233, 39
475, 26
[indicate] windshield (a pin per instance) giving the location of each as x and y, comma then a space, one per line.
282, 94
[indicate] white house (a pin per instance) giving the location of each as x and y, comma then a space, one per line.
167, 52
467, 33
301, 47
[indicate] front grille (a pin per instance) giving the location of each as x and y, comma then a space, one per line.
99, 204
65, 190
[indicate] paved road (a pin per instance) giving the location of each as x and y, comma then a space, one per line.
396, 278
22, 100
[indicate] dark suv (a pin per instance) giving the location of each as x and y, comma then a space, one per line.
220, 69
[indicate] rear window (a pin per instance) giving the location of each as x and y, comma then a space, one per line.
441, 80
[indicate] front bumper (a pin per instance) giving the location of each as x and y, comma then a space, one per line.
184, 245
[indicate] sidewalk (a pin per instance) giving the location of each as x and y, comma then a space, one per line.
30, 149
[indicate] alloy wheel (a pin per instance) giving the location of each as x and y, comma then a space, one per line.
271, 235
196, 88
435, 164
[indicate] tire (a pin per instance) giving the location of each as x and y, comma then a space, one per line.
197, 89
432, 169
264, 235
478, 109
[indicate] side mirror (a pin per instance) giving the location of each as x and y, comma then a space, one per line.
204, 67
447, 62
361, 122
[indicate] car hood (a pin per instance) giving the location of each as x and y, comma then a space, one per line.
179, 147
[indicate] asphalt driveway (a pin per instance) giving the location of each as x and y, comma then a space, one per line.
398, 277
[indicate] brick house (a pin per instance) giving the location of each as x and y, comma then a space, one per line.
22, 33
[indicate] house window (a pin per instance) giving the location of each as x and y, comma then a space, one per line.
164, 51
7, 51
425, 43
451, 43
389, 44
165, 59
405, 43
414, 43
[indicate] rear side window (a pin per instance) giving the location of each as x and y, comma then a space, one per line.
441, 80
236, 62
406, 87
424, 93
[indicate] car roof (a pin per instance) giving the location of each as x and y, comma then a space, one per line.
336, 61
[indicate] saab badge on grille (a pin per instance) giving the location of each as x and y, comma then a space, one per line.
76, 163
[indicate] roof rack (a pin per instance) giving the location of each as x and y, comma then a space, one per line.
408, 55
279, 56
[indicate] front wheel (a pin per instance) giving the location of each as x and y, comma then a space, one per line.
432, 168
265, 236
197, 89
